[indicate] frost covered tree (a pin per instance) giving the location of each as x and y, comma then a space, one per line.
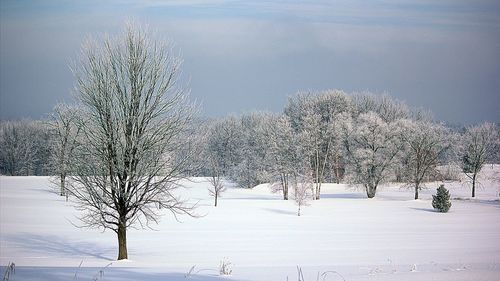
65, 129
134, 121
217, 147
315, 118
249, 169
225, 141
479, 144
387, 108
424, 143
372, 146
16, 147
302, 186
285, 155
24, 148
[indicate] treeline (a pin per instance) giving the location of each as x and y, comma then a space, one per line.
332, 136
328, 136
25, 148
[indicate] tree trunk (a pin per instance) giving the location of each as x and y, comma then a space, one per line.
474, 185
216, 193
298, 211
336, 168
315, 195
285, 187
122, 242
337, 175
370, 191
63, 185
416, 190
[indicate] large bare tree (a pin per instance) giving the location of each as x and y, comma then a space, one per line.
135, 120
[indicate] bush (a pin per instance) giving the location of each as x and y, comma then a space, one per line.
441, 201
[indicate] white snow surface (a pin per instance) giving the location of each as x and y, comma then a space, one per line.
390, 237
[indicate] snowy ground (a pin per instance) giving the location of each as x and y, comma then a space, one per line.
390, 237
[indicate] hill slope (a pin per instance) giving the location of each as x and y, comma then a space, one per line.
390, 237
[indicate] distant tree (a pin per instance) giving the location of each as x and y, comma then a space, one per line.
64, 127
425, 142
372, 146
285, 156
134, 120
387, 108
44, 151
22, 147
249, 167
215, 158
217, 187
225, 140
315, 117
479, 144
441, 201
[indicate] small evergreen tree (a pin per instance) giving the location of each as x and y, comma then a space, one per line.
441, 201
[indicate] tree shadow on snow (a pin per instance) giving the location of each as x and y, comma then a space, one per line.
109, 274
283, 212
493, 203
425, 209
344, 195
250, 197
45, 190
57, 246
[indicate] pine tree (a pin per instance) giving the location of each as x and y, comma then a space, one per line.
441, 201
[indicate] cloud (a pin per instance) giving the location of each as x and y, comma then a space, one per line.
447, 13
244, 55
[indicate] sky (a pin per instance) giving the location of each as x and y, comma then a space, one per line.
241, 56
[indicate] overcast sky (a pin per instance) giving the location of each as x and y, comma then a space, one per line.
251, 55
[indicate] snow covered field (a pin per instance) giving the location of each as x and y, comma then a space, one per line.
390, 237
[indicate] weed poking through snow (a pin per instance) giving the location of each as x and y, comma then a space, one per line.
320, 277
10, 269
225, 267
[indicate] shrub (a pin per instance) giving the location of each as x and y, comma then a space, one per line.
441, 201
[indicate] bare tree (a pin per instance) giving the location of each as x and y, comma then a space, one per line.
134, 119
303, 189
65, 129
479, 144
217, 185
425, 142
214, 154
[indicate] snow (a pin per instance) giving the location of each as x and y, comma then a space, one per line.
389, 237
